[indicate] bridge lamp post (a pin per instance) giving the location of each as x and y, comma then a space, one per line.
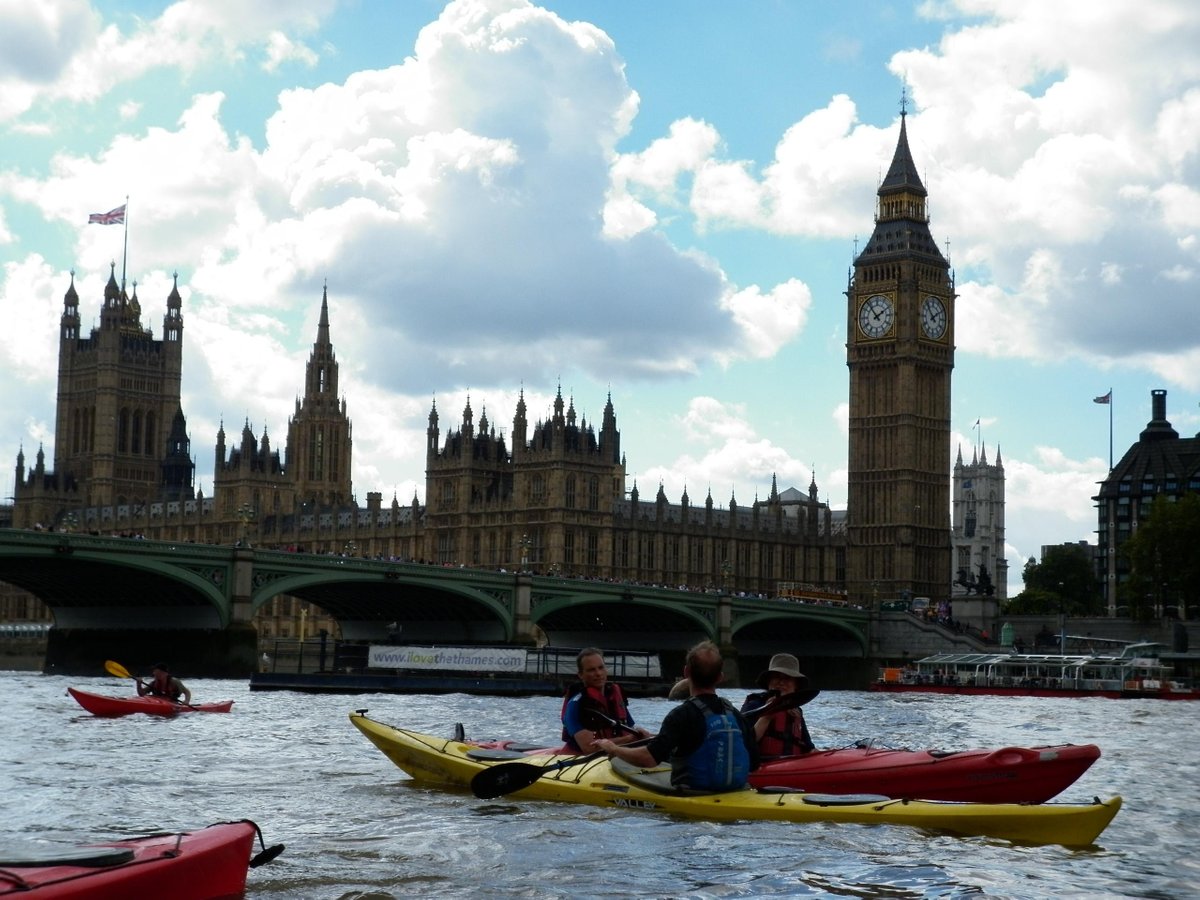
524, 543
350, 549
245, 514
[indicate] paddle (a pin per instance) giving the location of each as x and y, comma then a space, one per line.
119, 671
507, 778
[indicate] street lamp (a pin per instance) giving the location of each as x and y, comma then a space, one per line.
245, 514
524, 543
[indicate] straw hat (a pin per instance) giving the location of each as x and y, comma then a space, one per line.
787, 665
681, 690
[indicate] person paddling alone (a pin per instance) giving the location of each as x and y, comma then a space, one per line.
784, 733
593, 704
164, 684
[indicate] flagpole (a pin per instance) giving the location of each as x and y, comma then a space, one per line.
125, 252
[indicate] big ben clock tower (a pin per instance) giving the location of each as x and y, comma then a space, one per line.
900, 352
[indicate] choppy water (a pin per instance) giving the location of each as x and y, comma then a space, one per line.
356, 827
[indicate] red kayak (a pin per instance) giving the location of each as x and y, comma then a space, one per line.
1007, 775
196, 865
101, 705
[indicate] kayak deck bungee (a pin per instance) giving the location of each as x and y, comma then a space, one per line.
197, 865
597, 782
103, 705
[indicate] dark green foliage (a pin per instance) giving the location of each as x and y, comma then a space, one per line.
1064, 581
1164, 559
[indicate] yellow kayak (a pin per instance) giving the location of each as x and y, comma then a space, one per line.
597, 782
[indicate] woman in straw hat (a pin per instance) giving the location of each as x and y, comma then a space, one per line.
785, 733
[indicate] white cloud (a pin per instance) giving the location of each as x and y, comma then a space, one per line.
1050, 486
27, 296
282, 49
58, 49
769, 321
727, 458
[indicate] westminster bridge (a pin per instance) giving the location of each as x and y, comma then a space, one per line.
194, 604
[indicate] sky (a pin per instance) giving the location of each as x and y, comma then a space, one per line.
658, 202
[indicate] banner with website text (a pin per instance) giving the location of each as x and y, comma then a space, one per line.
447, 659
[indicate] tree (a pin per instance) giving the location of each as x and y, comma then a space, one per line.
1064, 581
1164, 564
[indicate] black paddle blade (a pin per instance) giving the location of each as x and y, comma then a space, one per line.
265, 856
496, 781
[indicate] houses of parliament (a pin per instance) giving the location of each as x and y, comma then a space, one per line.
552, 499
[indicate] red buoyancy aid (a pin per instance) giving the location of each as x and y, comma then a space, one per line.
610, 703
786, 735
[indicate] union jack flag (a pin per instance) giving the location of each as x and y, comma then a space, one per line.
112, 217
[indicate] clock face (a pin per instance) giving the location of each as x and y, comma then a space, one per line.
933, 317
876, 316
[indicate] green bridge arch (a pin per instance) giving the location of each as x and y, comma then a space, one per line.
108, 584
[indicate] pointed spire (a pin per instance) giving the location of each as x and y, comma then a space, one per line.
902, 174
112, 290
323, 323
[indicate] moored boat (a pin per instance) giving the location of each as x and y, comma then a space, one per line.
598, 782
104, 705
196, 865
1004, 775
1135, 673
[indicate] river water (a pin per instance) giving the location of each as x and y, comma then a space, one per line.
356, 827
